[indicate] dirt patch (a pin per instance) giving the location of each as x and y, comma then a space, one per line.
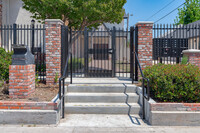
43, 93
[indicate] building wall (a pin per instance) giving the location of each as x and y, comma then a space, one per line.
12, 12
0, 12
193, 43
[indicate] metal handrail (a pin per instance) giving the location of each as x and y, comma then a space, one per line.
65, 73
147, 95
62, 84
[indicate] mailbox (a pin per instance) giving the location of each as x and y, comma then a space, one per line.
22, 55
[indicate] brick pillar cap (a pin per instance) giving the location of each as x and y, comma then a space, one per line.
54, 21
191, 51
144, 22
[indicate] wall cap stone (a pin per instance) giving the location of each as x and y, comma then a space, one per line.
144, 22
191, 51
54, 21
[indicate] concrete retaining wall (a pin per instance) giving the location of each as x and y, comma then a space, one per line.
37, 117
171, 114
12, 112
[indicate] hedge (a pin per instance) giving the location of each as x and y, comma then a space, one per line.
174, 83
5, 61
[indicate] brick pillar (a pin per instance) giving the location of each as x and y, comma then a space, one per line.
53, 49
145, 43
193, 56
21, 80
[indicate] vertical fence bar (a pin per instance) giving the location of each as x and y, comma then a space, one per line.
113, 50
81, 47
8, 43
14, 33
2, 36
127, 59
33, 37
131, 54
199, 36
86, 52
97, 73
104, 51
62, 49
136, 52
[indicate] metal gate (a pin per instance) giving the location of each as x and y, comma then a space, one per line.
100, 53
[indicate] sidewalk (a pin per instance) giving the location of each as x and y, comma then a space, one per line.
97, 124
99, 130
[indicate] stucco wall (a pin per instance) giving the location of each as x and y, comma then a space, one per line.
0, 12
14, 13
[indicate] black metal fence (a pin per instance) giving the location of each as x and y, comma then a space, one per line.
33, 36
101, 53
170, 40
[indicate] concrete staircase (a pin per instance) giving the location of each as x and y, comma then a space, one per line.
102, 99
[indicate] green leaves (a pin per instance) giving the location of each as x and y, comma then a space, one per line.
189, 13
79, 13
174, 83
5, 61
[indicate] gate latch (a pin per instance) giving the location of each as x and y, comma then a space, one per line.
110, 51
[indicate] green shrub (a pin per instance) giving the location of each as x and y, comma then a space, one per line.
56, 78
174, 83
5, 61
41, 67
37, 80
184, 60
77, 63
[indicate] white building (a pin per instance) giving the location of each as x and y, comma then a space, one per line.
11, 12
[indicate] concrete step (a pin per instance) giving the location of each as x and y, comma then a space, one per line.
101, 88
101, 108
101, 97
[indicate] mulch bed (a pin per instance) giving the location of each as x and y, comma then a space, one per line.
43, 93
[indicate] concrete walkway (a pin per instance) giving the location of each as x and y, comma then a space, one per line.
101, 120
47, 129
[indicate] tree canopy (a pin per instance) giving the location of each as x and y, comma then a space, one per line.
189, 13
78, 13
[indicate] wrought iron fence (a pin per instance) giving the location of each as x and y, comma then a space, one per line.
101, 53
33, 36
170, 40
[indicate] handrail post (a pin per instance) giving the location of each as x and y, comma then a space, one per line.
63, 99
143, 100
60, 88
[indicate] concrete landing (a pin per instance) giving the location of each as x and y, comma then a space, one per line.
98, 81
106, 121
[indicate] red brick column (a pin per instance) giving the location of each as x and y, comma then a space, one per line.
145, 43
53, 49
21, 80
193, 56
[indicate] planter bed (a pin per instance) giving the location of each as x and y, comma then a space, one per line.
171, 114
40, 108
